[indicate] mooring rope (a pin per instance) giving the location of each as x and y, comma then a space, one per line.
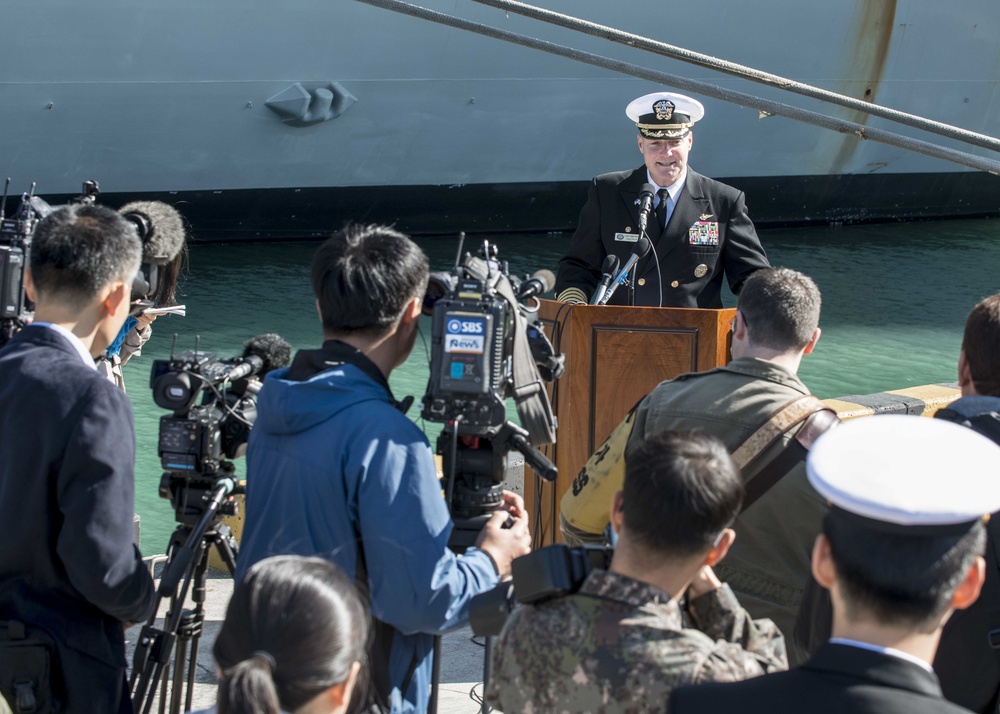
764, 107
737, 70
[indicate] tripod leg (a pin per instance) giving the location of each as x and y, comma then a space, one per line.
487, 657
432, 704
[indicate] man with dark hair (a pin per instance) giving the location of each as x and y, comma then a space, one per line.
68, 564
899, 552
699, 228
659, 617
336, 469
765, 416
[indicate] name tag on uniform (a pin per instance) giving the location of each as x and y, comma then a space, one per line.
627, 237
703, 233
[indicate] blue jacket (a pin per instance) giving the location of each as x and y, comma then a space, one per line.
331, 458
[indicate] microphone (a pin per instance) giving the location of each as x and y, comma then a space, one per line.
641, 248
645, 205
250, 365
273, 351
541, 282
161, 230
609, 268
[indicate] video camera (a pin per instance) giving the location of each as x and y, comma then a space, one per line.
196, 440
487, 345
15, 249
544, 574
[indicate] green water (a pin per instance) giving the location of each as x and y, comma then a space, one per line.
895, 300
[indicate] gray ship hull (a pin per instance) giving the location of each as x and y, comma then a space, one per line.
438, 129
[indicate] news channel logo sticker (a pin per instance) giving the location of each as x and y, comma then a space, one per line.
465, 335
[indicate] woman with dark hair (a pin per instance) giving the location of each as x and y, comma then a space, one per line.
138, 329
293, 640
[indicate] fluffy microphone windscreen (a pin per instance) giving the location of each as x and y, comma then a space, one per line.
273, 350
160, 227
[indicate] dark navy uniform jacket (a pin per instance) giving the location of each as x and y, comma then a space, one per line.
836, 680
709, 236
67, 559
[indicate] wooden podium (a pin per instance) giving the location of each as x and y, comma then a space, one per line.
614, 357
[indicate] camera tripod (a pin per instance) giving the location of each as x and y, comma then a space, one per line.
187, 565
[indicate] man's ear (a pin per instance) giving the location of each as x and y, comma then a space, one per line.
116, 294
823, 568
721, 547
812, 343
965, 375
739, 326
618, 510
411, 313
968, 592
29, 284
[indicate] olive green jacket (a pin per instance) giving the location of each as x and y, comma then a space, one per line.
769, 564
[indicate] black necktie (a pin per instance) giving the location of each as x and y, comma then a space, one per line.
661, 207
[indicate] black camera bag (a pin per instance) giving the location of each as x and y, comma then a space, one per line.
28, 662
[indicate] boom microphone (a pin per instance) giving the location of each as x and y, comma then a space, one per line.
641, 248
273, 351
160, 228
261, 354
608, 270
645, 205
541, 282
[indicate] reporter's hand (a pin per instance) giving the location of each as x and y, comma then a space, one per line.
513, 504
703, 583
505, 544
145, 321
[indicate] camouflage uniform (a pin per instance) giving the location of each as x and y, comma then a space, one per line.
621, 645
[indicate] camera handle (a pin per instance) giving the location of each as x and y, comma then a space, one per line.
517, 437
187, 564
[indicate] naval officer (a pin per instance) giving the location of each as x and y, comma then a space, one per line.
901, 550
699, 228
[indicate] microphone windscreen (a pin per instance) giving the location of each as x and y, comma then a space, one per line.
610, 264
647, 188
160, 227
643, 246
272, 350
546, 278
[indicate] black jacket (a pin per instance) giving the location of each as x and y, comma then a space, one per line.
67, 559
836, 680
692, 273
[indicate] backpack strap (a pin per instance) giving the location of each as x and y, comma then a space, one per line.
815, 419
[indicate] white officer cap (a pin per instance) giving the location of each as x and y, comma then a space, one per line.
907, 474
664, 115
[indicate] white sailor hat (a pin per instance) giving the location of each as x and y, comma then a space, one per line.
664, 115
907, 474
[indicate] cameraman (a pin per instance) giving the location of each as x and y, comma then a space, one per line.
336, 469
659, 617
68, 564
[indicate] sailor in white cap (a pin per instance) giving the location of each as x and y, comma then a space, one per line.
699, 228
901, 549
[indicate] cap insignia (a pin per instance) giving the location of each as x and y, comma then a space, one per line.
664, 110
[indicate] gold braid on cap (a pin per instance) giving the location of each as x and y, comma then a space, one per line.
660, 131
